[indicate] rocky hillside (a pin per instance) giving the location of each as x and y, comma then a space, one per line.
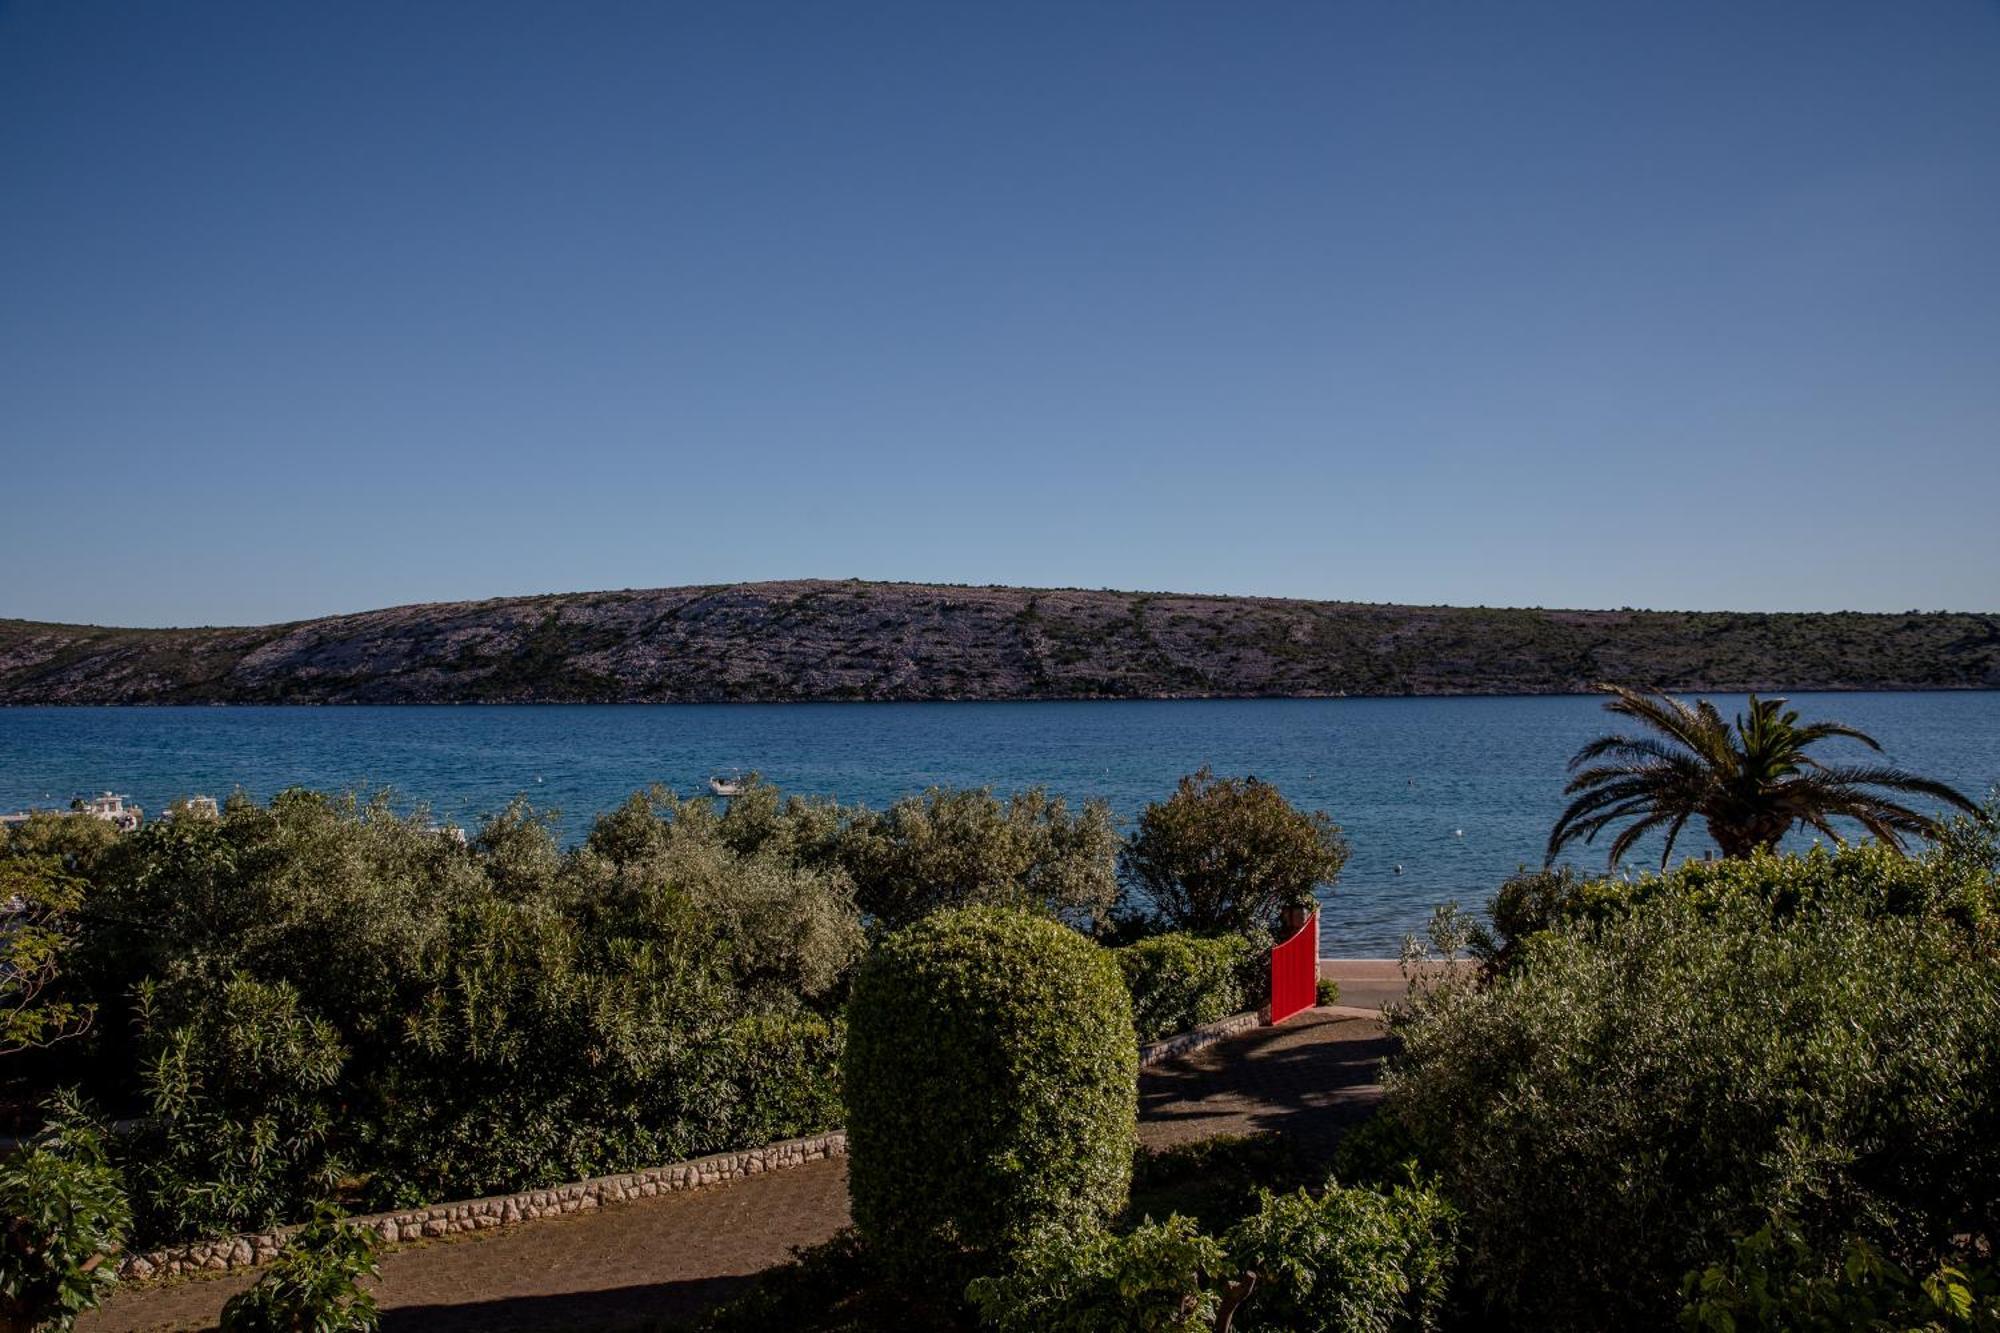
823, 640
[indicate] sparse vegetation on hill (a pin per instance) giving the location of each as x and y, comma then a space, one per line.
851, 640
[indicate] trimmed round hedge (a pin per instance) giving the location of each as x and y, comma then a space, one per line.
991, 1082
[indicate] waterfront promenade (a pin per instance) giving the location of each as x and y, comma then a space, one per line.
669, 1257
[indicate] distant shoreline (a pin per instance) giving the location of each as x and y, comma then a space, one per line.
1729, 691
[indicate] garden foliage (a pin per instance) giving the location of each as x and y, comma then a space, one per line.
1661, 1066
41, 898
323, 997
990, 1078
322, 994
1335, 1260
1160, 1277
1180, 981
314, 1285
1776, 1281
66, 1214
1348, 1260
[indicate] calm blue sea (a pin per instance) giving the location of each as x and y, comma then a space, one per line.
1457, 792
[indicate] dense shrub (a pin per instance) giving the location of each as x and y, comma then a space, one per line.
789, 928
65, 1211
1179, 981
782, 1073
944, 848
990, 1078
321, 994
314, 1285
1673, 1061
963, 848
1775, 1281
1225, 854
1338, 1260
1158, 1278
1955, 883
321, 991
239, 1088
1348, 1260
1532, 901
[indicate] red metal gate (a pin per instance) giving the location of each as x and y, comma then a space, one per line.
1295, 971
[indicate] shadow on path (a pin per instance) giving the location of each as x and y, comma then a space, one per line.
1310, 1080
614, 1308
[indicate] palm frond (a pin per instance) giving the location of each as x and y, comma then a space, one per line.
1751, 781
1895, 779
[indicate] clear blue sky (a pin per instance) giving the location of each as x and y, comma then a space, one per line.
311, 308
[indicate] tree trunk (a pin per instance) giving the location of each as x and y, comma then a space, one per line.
1741, 838
1233, 1297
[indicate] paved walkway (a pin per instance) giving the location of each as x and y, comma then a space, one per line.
1374, 983
672, 1256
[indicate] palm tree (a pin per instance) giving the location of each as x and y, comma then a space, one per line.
1749, 783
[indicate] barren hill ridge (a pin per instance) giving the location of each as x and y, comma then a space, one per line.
813, 639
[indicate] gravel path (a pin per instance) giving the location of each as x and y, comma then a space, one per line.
671, 1256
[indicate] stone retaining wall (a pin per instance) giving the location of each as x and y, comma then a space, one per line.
447, 1219
1166, 1048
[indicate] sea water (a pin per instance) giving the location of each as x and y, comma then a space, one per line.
1439, 798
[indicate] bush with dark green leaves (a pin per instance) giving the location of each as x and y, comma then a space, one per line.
240, 1089
780, 1077
314, 1285
946, 847
41, 898
1336, 1260
1225, 854
1349, 1260
1955, 882
991, 1086
1776, 1281
966, 848
1160, 1277
65, 1217
323, 993
1669, 1063
1180, 981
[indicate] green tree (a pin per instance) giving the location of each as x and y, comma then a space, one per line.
1224, 854
1750, 782
964, 848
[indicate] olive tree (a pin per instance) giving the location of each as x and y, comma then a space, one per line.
1225, 854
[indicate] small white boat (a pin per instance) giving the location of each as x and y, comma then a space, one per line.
732, 785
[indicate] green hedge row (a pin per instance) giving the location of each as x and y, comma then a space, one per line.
1180, 981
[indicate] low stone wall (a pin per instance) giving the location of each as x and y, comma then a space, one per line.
1195, 1038
447, 1219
